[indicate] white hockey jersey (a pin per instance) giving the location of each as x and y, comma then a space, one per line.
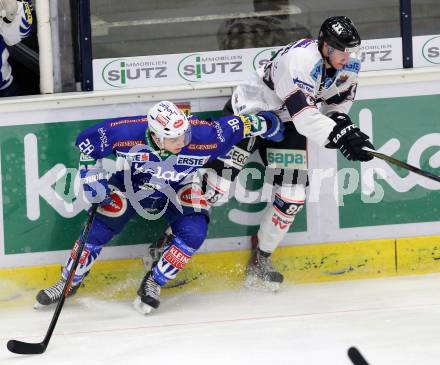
12, 33
293, 83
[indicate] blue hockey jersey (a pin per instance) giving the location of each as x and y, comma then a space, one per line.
156, 170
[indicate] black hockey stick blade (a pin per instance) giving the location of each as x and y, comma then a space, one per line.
25, 348
356, 357
404, 165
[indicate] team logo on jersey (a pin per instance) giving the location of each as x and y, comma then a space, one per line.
117, 207
192, 196
188, 160
341, 80
161, 173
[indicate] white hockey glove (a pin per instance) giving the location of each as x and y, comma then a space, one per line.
8, 9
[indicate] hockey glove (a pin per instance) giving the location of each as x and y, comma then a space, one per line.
95, 184
275, 127
349, 139
8, 9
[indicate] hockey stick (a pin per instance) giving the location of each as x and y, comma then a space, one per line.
356, 357
403, 165
27, 348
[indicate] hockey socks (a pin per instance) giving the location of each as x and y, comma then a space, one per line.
88, 258
173, 259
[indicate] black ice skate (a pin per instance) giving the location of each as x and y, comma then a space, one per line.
148, 295
53, 294
261, 273
156, 249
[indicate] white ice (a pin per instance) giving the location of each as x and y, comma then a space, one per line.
391, 321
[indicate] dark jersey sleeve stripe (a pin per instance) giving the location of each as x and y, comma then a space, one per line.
298, 101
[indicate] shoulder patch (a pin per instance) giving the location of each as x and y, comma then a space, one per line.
317, 70
354, 65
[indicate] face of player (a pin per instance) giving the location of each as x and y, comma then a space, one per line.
174, 145
336, 58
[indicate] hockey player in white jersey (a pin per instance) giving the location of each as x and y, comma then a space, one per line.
15, 25
311, 85
297, 78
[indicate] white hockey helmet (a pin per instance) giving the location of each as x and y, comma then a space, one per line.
166, 120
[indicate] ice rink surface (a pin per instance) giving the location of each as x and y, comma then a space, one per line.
391, 321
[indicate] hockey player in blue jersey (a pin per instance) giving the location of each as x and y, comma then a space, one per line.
156, 158
15, 25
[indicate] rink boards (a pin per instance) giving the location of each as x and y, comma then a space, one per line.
360, 220
119, 279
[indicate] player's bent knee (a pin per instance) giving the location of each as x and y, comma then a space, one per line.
100, 233
192, 229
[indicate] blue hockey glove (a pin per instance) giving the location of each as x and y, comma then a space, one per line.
275, 127
95, 184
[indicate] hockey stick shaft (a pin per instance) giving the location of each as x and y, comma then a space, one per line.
27, 348
404, 165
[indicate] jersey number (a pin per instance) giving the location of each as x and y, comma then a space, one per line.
86, 147
235, 124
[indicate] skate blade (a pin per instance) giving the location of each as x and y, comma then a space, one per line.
255, 283
141, 307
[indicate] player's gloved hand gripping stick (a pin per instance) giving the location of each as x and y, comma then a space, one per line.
354, 145
27, 348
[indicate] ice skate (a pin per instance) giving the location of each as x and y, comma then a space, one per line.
148, 295
156, 249
260, 273
52, 295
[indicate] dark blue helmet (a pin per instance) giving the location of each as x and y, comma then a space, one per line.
340, 33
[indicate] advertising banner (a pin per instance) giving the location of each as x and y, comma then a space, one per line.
40, 187
217, 66
40, 210
379, 193
426, 51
